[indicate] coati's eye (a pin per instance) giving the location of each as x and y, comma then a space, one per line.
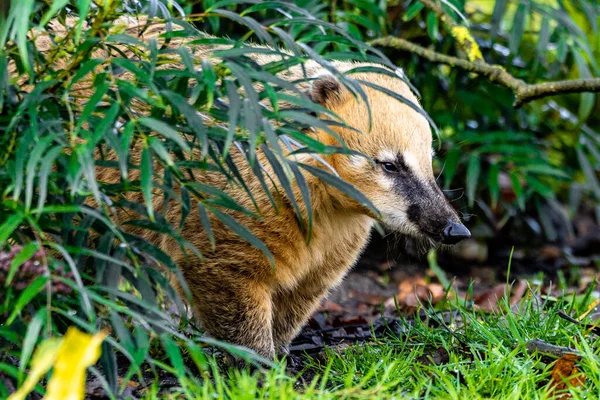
389, 167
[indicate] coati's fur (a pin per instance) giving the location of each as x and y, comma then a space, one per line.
238, 295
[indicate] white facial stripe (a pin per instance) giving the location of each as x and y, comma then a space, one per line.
411, 161
387, 156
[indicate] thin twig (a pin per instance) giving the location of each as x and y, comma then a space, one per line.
524, 92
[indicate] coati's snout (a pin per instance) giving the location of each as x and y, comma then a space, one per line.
418, 206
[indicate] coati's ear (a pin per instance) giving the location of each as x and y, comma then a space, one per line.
328, 91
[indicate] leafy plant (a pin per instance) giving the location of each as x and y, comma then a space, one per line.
94, 116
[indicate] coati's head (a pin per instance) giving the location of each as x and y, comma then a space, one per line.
399, 180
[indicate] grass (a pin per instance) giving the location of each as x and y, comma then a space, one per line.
487, 358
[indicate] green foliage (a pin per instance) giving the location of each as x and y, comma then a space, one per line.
88, 96
95, 96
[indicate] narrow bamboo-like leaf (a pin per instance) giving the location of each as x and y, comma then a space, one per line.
165, 130
55, 7
494, 185
235, 107
156, 145
185, 206
21, 156
8, 227
251, 23
451, 165
586, 167
284, 180
497, 15
205, 221
306, 198
34, 157
544, 38
432, 26
243, 232
26, 297
473, 170
108, 361
518, 188
172, 350
146, 181
31, 337
45, 169
341, 185
191, 115
586, 104
518, 27
25, 254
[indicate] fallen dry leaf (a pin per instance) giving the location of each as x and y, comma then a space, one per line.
565, 374
329, 306
517, 292
489, 301
415, 291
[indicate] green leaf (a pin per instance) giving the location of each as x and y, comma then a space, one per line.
21, 11
8, 227
55, 7
518, 27
243, 232
493, 184
544, 38
586, 104
34, 158
341, 185
432, 26
31, 337
165, 130
451, 165
497, 15
191, 115
45, 169
205, 221
172, 350
414, 10
146, 180
25, 254
26, 297
586, 167
473, 171
282, 176
518, 188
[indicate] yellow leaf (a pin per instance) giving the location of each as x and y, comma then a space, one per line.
42, 361
77, 352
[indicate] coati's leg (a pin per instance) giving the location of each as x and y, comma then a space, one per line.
235, 308
292, 308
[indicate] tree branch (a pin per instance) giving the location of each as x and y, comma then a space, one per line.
524, 92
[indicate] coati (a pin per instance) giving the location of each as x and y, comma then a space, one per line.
238, 295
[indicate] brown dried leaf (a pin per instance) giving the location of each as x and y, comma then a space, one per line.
517, 292
565, 374
329, 306
488, 301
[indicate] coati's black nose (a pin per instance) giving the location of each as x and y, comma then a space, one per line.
454, 233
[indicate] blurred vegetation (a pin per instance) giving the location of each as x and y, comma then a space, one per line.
64, 262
